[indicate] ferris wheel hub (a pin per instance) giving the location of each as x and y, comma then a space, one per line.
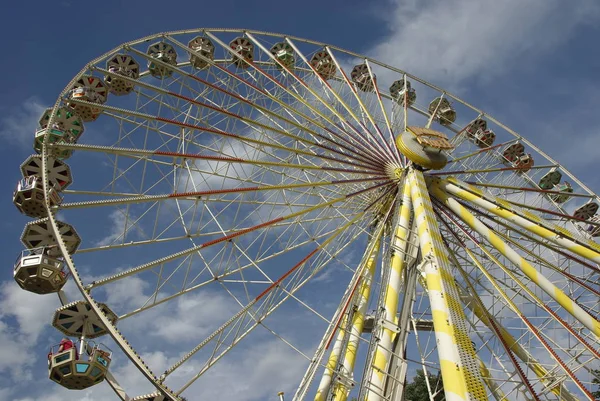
424, 147
394, 171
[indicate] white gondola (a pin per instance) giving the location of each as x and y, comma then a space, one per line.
165, 53
564, 187
38, 272
362, 79
77, 371
399, 92
28, 197
205, 48
323, 64
244, 52
89, 89
126, 66
39, 233
442, 111
284, 53
77, 319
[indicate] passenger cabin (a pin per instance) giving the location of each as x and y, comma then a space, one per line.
244, 52
524, 163
205, 48
484, 139
511, 153
362, 78
28, 197
78, 372
66, 127
585, 212
475, 126
163, 53
284, 53
478, 132
401, 92
442, 111
121, 65
564, 187
77, 319
57, 171
38, 272
550, 179
89, 89
323, 64
38, 234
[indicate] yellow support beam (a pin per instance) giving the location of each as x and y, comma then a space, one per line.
459, 365
531, 272
523, 218
341, 388
383, 351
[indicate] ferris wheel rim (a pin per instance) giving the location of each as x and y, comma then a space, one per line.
115, 334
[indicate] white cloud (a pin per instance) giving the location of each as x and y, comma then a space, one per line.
32, 312
450, 41
19, 124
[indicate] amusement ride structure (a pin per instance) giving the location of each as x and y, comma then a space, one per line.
303, 182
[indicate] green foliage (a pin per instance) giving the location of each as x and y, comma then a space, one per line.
596, 381
417, 390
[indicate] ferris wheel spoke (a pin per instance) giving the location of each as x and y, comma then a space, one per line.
534, 330
394, 155
243, 139
360, 139
353, 148
479, 152
533, 298
296, 96
231, 236
511, 346
206, 195
530, 237
527, 189
547, 286
148, 153
249, 121
264, 304
529, 221
545, 262
193, 284
487, 170
399, 157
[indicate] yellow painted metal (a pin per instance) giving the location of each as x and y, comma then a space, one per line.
459, 366
531, 272
383, 351
523, 218
332, 362
340, 389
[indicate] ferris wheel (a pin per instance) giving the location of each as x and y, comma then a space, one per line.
369, 221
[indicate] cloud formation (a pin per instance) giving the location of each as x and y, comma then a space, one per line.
451, 41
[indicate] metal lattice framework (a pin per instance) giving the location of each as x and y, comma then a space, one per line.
262, 170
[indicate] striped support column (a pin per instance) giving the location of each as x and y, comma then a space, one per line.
383, 351
523, 218
325, 383
459, 366
341, 389
557, 294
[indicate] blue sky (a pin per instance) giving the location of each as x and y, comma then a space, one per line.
533, 66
